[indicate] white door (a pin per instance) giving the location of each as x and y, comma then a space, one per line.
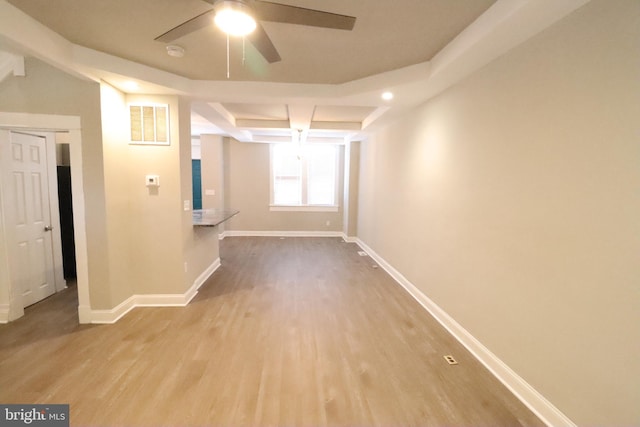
28, 218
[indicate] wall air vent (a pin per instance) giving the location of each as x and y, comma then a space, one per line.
149, 124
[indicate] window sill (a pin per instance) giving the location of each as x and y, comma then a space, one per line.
307, 208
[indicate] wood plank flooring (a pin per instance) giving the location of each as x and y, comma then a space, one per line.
290, 332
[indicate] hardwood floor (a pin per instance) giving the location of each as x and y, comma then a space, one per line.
296, 332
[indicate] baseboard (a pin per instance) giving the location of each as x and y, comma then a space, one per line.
261, 233
536, 402
114, 314
151, 300
203, 278
233, 233
84, 314
349, 239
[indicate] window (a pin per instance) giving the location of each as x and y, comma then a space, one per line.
304, 177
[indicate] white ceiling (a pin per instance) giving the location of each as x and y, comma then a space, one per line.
329, 82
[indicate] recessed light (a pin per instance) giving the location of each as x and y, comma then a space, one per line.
175, 51
387, 96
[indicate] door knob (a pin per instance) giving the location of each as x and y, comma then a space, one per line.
48, 228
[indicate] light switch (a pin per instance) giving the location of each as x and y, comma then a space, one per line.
209, 192
187, 205
152, 180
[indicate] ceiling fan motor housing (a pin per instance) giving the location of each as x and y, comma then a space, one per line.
234, 17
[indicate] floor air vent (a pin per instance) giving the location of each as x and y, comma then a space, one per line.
450, 360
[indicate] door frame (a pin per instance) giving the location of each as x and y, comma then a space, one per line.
12, 308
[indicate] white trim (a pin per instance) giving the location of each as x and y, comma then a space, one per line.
349, 239
54, 211
304, 178
238, 233
84, 312
41, 122
204, 276
143, 140
151, 300
79, 224
114, 314
535, 401
303, 208
163, 300
4, 313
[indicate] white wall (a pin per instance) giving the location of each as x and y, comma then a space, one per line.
512, 200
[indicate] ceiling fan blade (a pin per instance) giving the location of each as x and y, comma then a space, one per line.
276, 12
187, 27
261, 41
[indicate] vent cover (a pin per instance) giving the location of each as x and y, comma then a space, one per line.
450, 360
149, 124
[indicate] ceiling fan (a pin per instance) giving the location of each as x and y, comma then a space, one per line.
244, 15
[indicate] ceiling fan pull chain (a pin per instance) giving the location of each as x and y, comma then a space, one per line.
228, 56
243, 40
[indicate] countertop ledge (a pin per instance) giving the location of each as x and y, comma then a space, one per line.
212, 217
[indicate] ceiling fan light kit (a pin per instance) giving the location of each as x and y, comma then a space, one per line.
234, 18
246, 17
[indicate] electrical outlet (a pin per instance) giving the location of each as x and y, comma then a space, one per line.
187, 205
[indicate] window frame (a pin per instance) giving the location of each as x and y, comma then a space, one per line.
304, 206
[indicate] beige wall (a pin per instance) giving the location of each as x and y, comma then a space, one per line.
200, 244
212, 171
45, 90
117, 207
247, 189
351, 185
139, 240
152, 237
513, 201
154, 247
144, 223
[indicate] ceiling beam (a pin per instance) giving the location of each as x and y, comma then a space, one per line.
220, 117
11, 64
337, 126
375, 114
300, 116
262, 124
